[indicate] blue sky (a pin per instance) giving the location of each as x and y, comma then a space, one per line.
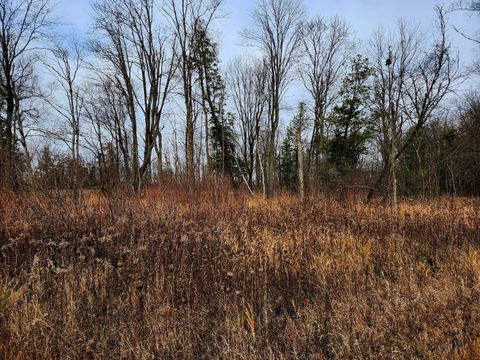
363, 16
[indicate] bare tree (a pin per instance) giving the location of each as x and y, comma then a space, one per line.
109, 109
28, 110
106, 110
23, 24
248, 87
470, 6
65, 66
325, 46
393, 58
156, 67
409, 87
114, 49
142, 66
276, 32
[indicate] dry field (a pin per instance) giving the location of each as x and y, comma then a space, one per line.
215, 274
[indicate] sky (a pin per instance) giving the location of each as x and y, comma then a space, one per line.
362, 16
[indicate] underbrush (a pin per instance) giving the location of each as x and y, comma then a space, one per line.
213, 273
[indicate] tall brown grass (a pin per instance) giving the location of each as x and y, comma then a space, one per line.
213, 273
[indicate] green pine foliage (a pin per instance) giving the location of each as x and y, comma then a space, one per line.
222, 138
288, 161
288, 151
353, 125
222, 124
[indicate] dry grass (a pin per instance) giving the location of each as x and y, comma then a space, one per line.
216, 274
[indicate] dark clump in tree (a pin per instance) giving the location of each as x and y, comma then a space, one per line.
222, 157
288, 161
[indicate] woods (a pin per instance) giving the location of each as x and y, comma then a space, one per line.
147, 96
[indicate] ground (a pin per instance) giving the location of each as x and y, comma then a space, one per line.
218, 274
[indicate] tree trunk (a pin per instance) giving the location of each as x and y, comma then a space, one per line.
135, 164
189, 131
271, 145
260, 170
189, 147
393, 178
10, 178
23, 141
301, 184
159, 151
270, 165
207, 147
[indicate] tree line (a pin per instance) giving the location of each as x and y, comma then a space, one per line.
145, 97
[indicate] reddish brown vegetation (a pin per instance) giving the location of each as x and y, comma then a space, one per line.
216, 274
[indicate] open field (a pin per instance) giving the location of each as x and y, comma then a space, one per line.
217, 274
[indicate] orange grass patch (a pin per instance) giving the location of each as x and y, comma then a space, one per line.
214, 273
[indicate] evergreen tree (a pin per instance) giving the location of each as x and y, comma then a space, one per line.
223, 146
222, 133
352, 124
428, 160
45, 167
288, 160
